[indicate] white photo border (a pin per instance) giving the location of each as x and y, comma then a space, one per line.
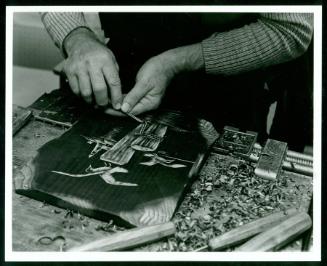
313, 255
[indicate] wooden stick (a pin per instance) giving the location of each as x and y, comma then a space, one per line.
248, 230
279, 235
133, 117
45, 119
130, 238
21, 116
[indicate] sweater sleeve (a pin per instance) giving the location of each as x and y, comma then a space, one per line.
273, 39
60, 24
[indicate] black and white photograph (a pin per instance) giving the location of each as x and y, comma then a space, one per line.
163, 132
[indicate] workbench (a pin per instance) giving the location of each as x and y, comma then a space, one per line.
207, 207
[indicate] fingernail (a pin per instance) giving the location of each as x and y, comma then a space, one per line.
117, 106
88, 99
102, 104
126, 107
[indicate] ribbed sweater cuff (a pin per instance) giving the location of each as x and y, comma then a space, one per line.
209, 51
59, 24
273, 39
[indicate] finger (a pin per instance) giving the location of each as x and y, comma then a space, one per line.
85, 86
143, 106
102, 107
134, 96
113, 112
114, 84
73, 83
99, 87
117, 66
115, 63
72, 79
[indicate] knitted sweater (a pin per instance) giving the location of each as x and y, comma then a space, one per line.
273, 39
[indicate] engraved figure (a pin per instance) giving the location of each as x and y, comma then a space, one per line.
156, 159
105, 172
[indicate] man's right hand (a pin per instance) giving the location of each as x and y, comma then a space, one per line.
91, 68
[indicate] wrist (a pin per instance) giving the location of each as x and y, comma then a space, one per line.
185, 58
76, 37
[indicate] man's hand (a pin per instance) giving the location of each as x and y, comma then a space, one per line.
151, 82
156, 74
91, 69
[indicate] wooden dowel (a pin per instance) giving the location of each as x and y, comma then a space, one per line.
298, 155
293, 167
130, 238
279, 235
248, 230
289, 153
298, 168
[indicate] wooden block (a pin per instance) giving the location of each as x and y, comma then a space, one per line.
20, 117
279, 235
242, 233
271, 159
130, 238
69, 172
60, 107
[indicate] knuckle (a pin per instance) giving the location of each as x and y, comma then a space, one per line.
68, 69
144, 81
91, 61
116, 99
80, 67
114, 82
73, 67
97, 57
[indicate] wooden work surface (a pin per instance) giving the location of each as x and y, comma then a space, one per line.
33, 220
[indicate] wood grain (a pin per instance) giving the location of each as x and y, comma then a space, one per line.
20, 117
130, 238
34, 219
158, 187
248, 230
60, 107
31, 219
279, 235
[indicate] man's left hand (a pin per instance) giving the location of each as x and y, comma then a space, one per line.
156, 74
151, 82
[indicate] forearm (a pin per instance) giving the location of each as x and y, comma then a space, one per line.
275, 38
182, 59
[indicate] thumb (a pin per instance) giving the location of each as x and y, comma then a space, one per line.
134, 96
